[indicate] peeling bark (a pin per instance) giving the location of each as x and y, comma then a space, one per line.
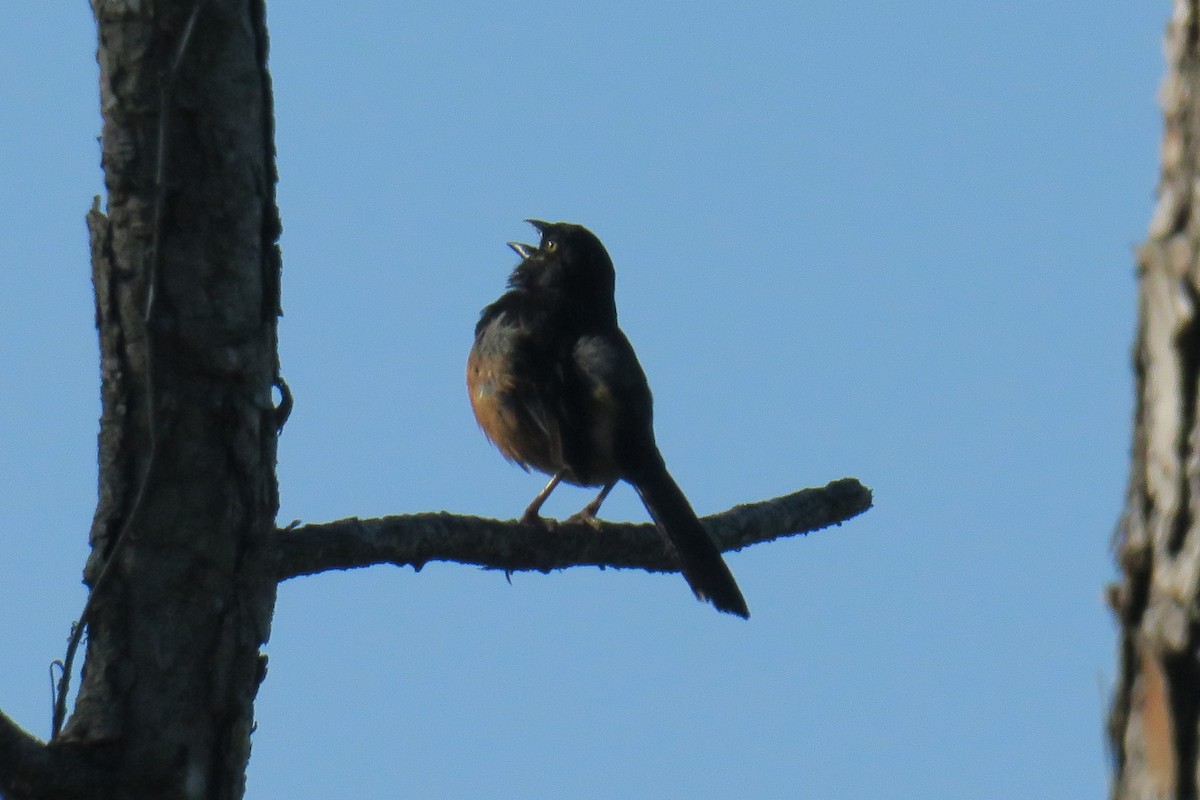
1155, 718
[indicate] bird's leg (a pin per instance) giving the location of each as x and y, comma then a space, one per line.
532, 515
588, 513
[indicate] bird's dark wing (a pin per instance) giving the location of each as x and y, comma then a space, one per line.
610, 414
619, 414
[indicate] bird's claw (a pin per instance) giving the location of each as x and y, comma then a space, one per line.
585, 517
531, 519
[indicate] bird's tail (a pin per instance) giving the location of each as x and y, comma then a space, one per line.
699, 559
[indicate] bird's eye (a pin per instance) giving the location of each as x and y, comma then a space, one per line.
550, 245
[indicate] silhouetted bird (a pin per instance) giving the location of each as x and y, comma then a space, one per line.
556, 386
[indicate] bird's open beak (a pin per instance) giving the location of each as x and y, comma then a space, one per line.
522, 249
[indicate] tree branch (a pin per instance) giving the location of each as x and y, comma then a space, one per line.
29, 768
416, 539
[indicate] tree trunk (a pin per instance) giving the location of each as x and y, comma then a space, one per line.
1155, 718
186, 273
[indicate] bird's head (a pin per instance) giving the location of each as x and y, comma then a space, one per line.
568, 260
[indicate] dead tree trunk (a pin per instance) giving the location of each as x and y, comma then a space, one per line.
186, 273
1155, 719
185, 555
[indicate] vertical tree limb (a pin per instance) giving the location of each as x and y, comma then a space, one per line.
185, 267
1155, 715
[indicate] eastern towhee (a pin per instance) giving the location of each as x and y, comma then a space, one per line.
556, 386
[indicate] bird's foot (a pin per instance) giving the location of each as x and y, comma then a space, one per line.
587, 516
531, 519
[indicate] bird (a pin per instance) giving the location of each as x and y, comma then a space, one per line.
556, 386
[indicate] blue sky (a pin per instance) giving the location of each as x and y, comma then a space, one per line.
884, 241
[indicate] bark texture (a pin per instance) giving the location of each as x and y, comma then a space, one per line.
186, 274
1155, 717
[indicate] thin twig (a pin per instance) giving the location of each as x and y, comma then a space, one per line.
284, 409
